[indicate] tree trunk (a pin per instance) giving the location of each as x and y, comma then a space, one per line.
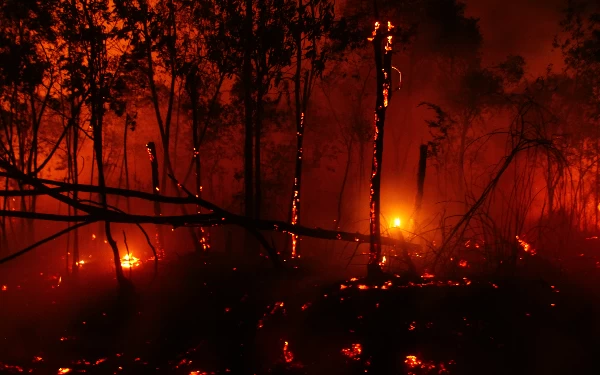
383, 65
156, 191
248, 114
299, 140
420, 183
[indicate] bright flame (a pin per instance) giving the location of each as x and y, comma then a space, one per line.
526, 247
129, 261
353, 352
64, 370
397, 223
287, 354
412, 361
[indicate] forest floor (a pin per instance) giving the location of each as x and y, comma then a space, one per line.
212, 315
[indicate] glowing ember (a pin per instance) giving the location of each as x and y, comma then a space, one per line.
363, 287
287, 354
397, 223
427, 275
129, 261
462, 263
526, 247
4, 288
65, 370
412, 361
353, 352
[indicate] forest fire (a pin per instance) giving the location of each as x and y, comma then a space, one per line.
433, 192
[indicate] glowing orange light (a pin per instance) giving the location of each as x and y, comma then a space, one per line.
383, 260
4, 288
363, 287
462, 263
353, 352
397, 223
65, 370
287, 354
526, 247
427, 275
129, 261
93, 236
412, 361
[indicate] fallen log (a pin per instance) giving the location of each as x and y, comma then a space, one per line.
213, 219
218, 216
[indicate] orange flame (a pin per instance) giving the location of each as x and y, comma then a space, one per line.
526, 247
287, 354
353, 352
412, 361
129, 261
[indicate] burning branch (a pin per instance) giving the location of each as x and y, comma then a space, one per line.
383, 67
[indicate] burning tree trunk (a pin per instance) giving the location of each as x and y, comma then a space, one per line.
383, 67
98, 59
155, 190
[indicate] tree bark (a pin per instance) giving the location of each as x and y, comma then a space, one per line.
248, 111
383, 67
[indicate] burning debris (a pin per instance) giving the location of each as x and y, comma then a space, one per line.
129, 261
288, 356
353, 352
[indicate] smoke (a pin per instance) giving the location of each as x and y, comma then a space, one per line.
523, 27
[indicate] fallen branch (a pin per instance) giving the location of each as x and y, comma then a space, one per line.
211, 220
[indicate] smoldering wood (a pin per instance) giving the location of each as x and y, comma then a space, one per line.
217, 217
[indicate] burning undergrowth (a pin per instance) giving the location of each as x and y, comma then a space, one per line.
209, 316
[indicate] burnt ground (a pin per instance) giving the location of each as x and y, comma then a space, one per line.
209, 314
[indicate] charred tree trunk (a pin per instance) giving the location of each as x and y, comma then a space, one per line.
248, 114
203, 243
383, 65
156, 191
97, 58
295, 212
420, 182
75, 179
257, 133
248, 110
126, 167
